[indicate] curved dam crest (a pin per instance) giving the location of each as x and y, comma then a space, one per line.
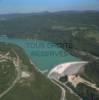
45, 55
67, 69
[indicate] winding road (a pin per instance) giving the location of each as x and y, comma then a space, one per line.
62, 89
16, 63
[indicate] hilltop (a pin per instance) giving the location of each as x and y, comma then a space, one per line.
21, 81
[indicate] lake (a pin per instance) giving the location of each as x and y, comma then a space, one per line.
45, 55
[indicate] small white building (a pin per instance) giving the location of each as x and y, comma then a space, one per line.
25, 74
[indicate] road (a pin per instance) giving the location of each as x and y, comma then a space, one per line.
63, 97
62, 89
92, 85
16, 63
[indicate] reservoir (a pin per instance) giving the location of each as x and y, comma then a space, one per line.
45, 55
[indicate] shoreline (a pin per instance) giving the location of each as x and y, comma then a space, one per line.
41, 71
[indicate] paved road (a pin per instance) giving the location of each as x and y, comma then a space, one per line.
71, 91
63, 97
62, 89
92, 85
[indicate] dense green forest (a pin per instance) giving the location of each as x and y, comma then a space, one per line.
79, 28
91, 72
87, 93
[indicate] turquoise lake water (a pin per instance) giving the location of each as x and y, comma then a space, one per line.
45, 55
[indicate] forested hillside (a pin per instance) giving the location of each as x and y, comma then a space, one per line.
79, 28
